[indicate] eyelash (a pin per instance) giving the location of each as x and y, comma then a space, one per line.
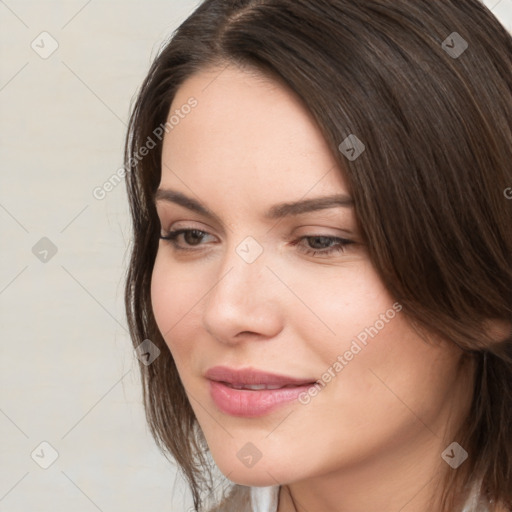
340, 247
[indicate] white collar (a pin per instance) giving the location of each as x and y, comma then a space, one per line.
265, 499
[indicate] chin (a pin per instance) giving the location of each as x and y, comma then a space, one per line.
261, 474
251, 479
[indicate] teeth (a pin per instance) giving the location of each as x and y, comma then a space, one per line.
255, 387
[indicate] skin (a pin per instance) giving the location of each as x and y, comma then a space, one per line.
372, 438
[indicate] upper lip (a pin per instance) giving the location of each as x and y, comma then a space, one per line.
251, 377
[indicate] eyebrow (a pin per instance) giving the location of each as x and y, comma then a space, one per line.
277, 211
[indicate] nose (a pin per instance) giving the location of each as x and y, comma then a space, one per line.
243, 302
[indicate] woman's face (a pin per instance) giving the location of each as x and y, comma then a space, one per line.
263, 285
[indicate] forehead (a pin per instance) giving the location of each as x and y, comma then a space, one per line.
248, 135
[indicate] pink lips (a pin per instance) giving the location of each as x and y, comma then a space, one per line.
249, 403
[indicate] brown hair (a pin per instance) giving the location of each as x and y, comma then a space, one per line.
428, 190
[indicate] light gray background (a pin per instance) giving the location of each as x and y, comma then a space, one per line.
68, 375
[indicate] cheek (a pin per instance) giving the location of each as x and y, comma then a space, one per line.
381, 354
337, 305
162, 297
394, 380
172, 298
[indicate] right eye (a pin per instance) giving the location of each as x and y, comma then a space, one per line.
191, 237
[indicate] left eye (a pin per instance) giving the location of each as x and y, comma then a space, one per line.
315, 244
323, 245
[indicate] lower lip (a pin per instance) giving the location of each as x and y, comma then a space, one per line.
249, 404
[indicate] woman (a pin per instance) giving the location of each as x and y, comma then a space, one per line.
322, 254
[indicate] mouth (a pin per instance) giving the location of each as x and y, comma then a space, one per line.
260, 387
251, 393
250, 378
